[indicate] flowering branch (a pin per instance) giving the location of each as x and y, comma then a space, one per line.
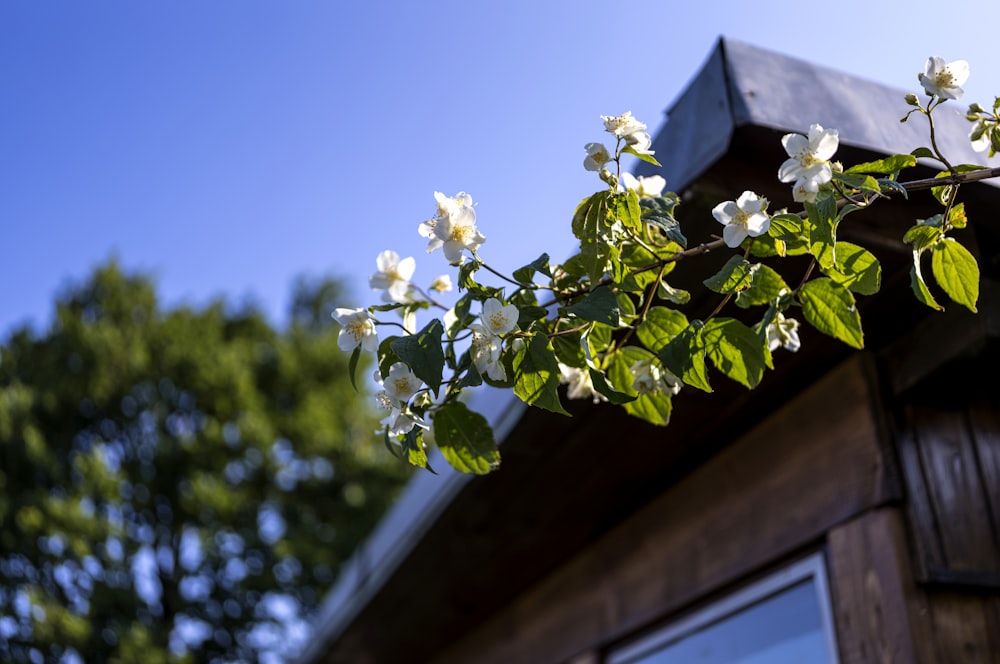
614, 329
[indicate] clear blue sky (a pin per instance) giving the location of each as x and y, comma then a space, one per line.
228, 146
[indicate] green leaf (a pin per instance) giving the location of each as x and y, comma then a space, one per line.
734, 276
589, 216
569, 349
603, 387
465, 439
462, 316
894, 187
671, 294
653, 408
957, 272
387, 356
788, 232
830, 308
765, 286
465, 278
822, 218
536, 374
684, 356
660, 326
595, 256
525, 274
735, 350
957, 217
599, 306
648, 158
413, 449
353, 366
598, 338
922, 236
637, 257
625, 208
920, 153
919, 287
893, 164
858, 181
422, 352
856, 269
659, 212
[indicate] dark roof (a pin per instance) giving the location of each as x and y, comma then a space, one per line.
741, 85
455, 548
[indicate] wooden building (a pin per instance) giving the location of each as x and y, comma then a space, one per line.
847, 510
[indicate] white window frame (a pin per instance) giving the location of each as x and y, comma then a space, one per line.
811, 568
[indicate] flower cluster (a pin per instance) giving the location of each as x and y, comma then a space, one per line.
397, 390
611, 325
496, 320
631, 135
580, 384
651, 378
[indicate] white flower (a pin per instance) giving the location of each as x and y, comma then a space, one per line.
485, 350
805, 191
783, 332
581, 386
639, 141
357, 329
742, 217
393, 276
944, 79
441, 284
809, 158
454, 228
597, 156
645, 187
401, 383
400, 422
981, 142
622, 125
649, 378
498, 319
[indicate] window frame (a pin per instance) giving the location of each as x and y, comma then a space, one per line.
811, 568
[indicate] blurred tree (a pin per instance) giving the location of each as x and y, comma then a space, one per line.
177, 485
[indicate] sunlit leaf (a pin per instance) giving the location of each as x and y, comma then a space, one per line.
465, 439
957, 272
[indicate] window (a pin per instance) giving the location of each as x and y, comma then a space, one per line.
782, 618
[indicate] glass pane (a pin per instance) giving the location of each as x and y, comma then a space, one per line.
786, 627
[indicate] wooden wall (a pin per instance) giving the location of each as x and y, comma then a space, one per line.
773, 494
823, 473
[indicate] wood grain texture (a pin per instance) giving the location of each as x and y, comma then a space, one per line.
815, 464
877, 608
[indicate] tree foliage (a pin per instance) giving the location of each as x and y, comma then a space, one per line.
177, 484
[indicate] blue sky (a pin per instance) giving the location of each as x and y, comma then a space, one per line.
227, 146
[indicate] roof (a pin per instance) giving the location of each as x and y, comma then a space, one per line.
454, 547
741, 85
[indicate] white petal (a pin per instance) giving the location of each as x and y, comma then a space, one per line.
959, 70
406, 267
725, 212
794, 144
386, 260
733, 235
789, 170
748, 202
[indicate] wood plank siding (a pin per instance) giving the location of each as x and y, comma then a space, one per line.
775, 492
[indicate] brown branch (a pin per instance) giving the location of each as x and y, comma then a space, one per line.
959, 178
